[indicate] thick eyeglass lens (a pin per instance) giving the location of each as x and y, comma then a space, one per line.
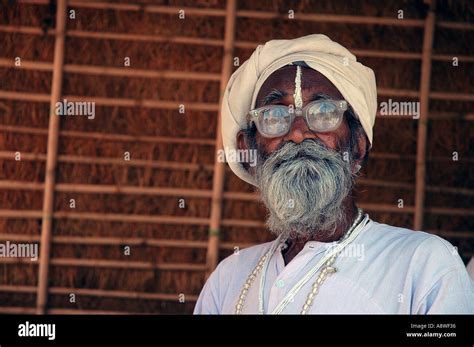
324, 116
274, 121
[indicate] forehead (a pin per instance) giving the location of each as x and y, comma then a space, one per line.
312, 82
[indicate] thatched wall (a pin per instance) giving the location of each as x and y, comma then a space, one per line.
91, 154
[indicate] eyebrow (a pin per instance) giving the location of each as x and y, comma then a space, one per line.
274, 95
319, 96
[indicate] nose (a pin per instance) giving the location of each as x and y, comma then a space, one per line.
299, 131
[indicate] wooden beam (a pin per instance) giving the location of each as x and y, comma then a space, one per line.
112, 71
114, 241
132, 218
251, 45
142, 73
111, 137
22, 96
219, 167
121, 102
455, 25
189, 220
423, 121
213, 12
51, 159
17, 310
171, 165
203, 193
73, 311
9, 155
101, 293
332, 18
265, 15
204, 106
184, 40
110, 264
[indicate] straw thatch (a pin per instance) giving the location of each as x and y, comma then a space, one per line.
136, 203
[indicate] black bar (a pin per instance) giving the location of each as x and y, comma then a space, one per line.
291, 330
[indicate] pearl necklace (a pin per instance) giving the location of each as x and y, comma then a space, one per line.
359, 223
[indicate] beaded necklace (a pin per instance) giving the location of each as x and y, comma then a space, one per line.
326, 263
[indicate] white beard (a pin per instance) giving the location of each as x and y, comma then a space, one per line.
303, 186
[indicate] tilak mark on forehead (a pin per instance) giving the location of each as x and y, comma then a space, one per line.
297, 96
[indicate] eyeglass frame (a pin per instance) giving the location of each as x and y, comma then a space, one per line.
341, 105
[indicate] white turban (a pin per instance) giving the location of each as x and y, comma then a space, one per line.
354, 81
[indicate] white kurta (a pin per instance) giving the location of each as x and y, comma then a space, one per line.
385, 270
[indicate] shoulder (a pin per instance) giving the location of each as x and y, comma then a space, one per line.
233, 271
426, 254
228, 278
427, 268
243, 259
396, 237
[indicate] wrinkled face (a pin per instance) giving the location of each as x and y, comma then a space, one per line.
304, 176
313, 85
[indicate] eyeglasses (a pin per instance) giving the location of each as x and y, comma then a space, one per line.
320, 115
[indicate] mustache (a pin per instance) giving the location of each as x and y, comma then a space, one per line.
303, 186
309, 149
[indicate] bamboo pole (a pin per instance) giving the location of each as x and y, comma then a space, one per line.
398, 92
145, 38
110, 161
109, 241
51, 160
205, 106
114, 241
121, 294
219, 167
142, 73
110, 264
139, 138
423, 121
123, 102
134, 162
203, 193
455, 25
332, 18
111, 137
61, 311
188, 166
120, 217
187, 220
133, 265
21, 214
103, 70
183, 166
312, 17
205, 76
31, 310
17, 310
18, 288
23, 96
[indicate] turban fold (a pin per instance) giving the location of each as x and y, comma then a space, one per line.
354, 81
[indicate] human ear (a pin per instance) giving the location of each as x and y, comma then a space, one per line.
243, 144
361, 151
242, 141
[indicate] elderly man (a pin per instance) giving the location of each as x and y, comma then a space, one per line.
308, 107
